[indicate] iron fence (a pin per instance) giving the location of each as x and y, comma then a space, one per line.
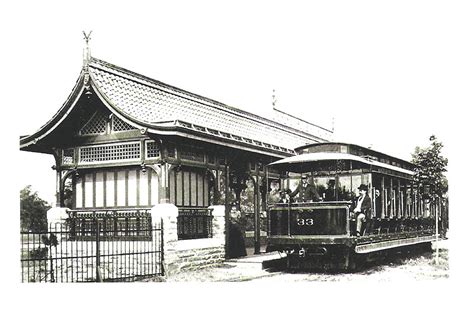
96, 249
194, 223
115, 224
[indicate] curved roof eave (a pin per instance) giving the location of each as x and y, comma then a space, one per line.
58, 118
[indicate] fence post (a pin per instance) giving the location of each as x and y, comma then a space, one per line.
51, 267
97, 251
436, 231
162, 247
167, 215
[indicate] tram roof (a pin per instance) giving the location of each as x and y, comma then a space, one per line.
367, 151
304, 162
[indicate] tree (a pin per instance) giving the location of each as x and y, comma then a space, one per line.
430, 169
33, 211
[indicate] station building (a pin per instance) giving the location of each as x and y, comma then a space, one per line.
126, 142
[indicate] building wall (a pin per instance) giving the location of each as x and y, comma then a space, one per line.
116, 188
129, 187
189, 187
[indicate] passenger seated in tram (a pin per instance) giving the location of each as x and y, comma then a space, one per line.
330, 192
274, 194
285, 196
306, 191
361, 208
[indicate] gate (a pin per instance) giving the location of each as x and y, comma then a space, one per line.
107, 246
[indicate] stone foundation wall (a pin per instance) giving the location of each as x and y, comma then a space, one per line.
185, 255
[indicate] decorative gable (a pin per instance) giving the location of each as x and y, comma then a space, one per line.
119, 125
102, 122
97, 124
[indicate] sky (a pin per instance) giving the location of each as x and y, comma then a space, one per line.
390, 73
387, 74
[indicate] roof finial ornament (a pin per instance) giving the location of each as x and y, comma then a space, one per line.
86, 55
274, 101
87, 51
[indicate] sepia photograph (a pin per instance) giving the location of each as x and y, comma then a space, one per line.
227, 153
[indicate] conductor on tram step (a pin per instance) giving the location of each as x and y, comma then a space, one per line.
306, 191
363, 206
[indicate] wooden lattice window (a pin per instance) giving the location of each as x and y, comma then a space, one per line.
110, 152
96, 125
120, 125
152, 149
68, 156
100, 124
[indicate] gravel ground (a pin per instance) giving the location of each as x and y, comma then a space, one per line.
414, 267
420, 267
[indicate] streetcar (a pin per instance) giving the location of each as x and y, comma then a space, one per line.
321, 233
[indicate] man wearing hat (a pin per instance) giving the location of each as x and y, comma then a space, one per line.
363, 205
306, 191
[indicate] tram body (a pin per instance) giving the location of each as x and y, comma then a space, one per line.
321, 234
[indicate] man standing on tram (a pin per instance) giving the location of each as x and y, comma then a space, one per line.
306, 191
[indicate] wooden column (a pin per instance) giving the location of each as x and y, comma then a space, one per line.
164, 181
392, 206
382, 195
399, 208
59, 195
408, 198
227, 212
257, 216
415, 203
403, 194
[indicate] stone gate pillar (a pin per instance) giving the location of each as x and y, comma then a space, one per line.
167, 214
182, 255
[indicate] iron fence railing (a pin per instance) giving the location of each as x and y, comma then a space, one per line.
114, 224
194, 223
100, 252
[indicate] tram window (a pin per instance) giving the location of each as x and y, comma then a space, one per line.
293, 181
344, 188
356, 181
366, 179
326, 187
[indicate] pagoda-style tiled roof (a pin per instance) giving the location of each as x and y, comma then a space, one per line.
156, 103
159, 107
